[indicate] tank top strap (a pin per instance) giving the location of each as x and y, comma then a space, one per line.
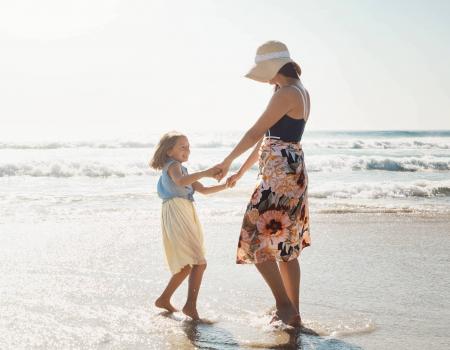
303, 99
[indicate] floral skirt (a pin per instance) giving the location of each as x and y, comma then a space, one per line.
276, 223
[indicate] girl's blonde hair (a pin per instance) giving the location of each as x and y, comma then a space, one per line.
165, 144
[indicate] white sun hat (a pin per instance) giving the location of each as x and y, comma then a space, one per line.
269, 59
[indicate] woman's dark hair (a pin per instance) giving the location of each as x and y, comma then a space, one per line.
290, 70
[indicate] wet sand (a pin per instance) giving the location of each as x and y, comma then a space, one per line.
368, 281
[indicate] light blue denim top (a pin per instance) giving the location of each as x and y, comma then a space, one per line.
167, 189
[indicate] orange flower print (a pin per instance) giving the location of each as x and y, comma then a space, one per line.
276, 222
242, 254
253, 216
303, 213
264, 254
273, 169
295, 235
273, 227
302, 180
293, 202
245, 236
287, 186
256, 197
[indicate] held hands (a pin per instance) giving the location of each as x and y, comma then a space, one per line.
213, 172
224, 167
219, 171
231, 180
216, 172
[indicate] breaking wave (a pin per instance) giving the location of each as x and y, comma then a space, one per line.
62, 169
340, 162
420, 189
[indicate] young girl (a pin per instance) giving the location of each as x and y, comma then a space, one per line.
181, 229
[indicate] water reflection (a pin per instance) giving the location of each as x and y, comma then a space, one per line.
207, 335
213, 335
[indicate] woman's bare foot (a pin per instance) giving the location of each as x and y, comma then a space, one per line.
289, 316
165, 304
296, 321
191, 311
275, 317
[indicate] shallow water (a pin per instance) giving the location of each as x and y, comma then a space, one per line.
368, 281
81, 257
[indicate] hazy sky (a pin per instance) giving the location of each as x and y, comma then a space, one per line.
111, 68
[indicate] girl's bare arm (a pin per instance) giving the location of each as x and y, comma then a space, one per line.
184, 180
208, 189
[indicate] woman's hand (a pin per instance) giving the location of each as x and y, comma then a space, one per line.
212, 172
224, 167
231, 181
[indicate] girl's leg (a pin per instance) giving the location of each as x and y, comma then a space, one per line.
290, 274
164, 300
285, 309
195, 280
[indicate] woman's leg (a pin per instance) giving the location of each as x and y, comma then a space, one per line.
164, 300
271, 274
195, 280
290, 274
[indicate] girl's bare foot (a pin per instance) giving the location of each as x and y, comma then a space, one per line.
191, 311
165, 304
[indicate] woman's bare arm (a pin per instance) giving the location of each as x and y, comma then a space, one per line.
252, 159
280, 104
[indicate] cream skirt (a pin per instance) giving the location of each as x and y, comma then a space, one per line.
182, 234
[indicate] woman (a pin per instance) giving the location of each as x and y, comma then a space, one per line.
275, 227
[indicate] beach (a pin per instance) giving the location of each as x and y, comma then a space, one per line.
368, 281
81, 257
88, 89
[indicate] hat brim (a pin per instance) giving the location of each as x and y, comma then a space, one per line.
264, 71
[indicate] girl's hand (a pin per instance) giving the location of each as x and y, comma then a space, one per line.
231, 181
224, 167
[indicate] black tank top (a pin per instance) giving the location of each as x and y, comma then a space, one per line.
288, 129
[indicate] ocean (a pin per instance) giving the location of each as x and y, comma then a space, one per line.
81, 257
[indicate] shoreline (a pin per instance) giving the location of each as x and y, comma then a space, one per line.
445, 217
